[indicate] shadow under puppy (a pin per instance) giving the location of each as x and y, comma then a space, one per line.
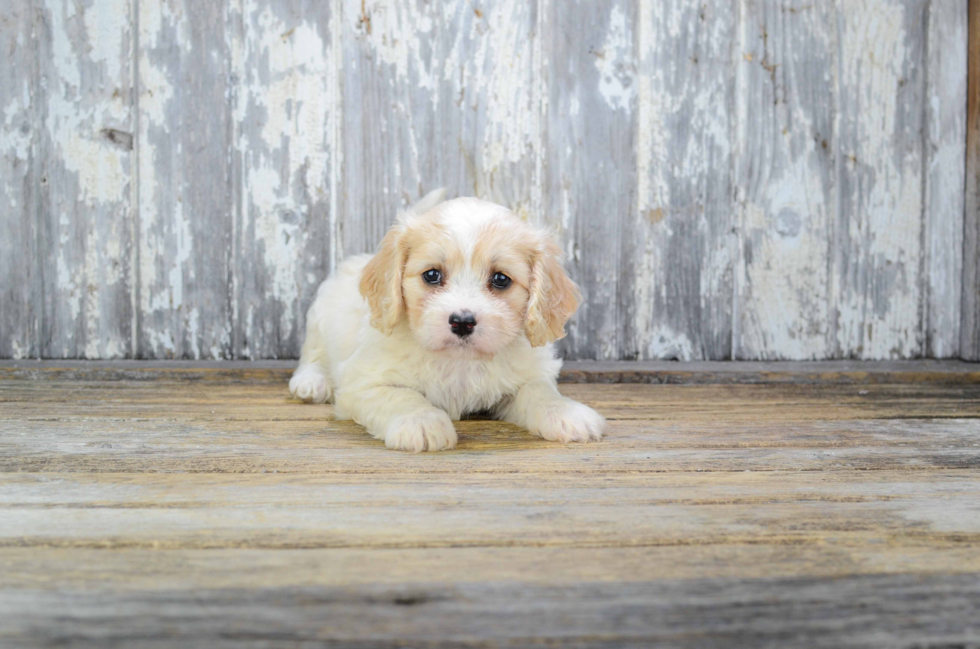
455, 314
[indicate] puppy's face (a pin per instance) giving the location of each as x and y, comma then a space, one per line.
469, 277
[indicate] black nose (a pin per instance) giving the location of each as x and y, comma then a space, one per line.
462, 323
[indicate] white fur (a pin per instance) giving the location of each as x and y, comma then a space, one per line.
407, 387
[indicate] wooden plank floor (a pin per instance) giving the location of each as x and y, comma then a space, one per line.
820, 507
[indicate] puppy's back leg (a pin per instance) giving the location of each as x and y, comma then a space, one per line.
311, 380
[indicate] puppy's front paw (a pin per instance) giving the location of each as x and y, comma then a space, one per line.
568, 421
309, 383
426, 430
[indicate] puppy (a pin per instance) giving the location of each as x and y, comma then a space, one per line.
456, 313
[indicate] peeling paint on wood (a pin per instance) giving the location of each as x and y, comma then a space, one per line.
944, 198
437, 95
877, 270
685, 249
186, 194
761, 180
286, 113
786, 179
591, 71
19, 271
84, 207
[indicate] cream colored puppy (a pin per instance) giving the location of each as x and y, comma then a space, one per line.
455, 314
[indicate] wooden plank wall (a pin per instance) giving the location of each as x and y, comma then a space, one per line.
752, 179
970, 331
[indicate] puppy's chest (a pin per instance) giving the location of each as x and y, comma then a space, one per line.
466, 387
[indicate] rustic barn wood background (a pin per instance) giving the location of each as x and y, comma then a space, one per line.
752, 179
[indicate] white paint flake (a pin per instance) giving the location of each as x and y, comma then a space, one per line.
468, 84
161, 267
89, 43
289, 89
615, 62
879, 317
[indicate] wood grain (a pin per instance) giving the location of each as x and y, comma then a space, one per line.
591, 79
85, 165
145, 570
275, 511
970, 328
219, 512
654, 372
683, 255
437, 95
758, 180
19, 265
877, 268
946, 77
874, 611
161, 427
187, 188
787, 188
286, 117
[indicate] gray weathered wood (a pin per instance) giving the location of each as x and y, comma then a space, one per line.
85, 177
856, 611
756, 180
404, 510
187, 197
944, 372
287, 112
437, 95
77, 569
786, 179
877, 270
970, 328
589, 184
20, 283
945, 143
683, 255
253, 428
389, 100
223, 513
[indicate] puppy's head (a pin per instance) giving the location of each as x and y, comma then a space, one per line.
469, 277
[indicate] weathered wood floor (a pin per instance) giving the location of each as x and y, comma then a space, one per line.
832, 509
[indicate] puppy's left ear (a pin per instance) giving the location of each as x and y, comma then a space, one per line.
381, 282
553, 296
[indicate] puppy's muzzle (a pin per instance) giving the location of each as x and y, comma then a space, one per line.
462, 323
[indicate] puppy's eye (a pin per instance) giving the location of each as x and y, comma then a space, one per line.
432, 276
499, 280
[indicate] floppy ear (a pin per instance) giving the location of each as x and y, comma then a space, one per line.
381, 282
554, 297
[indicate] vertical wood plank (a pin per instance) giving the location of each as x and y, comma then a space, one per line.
287, 114
945, 174
970, 329
878, 247
388, 90
382, 67
85, 167
590, 177
684, 252
437, 95
786, 179
272, 137
18, 131
186, 194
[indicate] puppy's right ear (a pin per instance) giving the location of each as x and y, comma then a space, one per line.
381, 282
